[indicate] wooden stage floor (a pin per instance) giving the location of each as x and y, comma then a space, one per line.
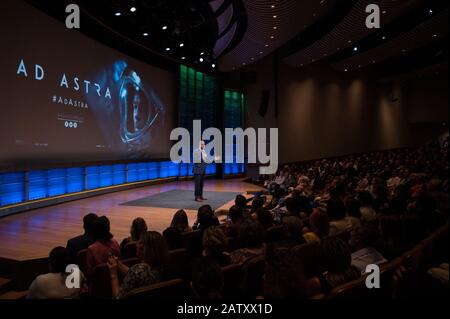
33, 234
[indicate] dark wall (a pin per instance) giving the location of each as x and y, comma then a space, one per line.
323, 113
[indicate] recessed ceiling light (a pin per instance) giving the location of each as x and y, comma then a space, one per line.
181, 45
201, 60
145, 34
383, 12
272, 6
345, 70
430, 11
266, 45
261, 52
183, 58
117, 14
272, 37
167, 49
275, 16
164, 27
349, 41
275, 28
384, 37
434, 35
355, 49
252, 59
213, 65
133, 9
202, 53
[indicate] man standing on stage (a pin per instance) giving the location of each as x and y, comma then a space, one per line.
200, 161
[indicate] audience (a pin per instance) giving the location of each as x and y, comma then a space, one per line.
153, 252
138, 227
319, 227
174, 238
180, 221
335, 256
74, 245
250, 239
235, 218
387, 201
104, 245
53, 285
207, 280
214, 246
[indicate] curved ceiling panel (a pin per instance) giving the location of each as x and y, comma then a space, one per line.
431, 30
270, 25
350, 30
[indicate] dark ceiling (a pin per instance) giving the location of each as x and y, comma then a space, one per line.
227, 35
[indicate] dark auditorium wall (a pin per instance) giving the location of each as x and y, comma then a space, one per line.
323, 113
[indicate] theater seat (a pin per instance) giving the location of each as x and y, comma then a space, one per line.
171, 289
129, 251
253, 277
193, 243
178, 265
353, 290
232, 280
100, 282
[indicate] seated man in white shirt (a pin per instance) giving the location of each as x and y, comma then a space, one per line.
53, 285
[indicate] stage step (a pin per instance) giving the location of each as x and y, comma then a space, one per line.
14, 295
5, 285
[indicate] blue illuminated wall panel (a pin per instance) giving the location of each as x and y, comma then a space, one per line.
37, 185
75, 179
132, 173
56, 182
143, 171
12, 188
119, 174
92, 177
153, 170
106, 175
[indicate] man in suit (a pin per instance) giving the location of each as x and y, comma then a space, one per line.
200, 161
74, 245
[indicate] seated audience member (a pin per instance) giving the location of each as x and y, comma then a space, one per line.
104, 245
319, 227
235, 217
207, 279
74, 245
305, 207
354, 217
294, 234
138, 227
393, 241
257, 203
368, 213
335, 256
250, 239
205, 218
241, 202
366, 252
284, 277
214, 246
174, 238
338, 221
153, 252
180, 221
53, 285
265, 218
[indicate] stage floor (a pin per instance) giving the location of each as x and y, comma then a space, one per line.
33, 234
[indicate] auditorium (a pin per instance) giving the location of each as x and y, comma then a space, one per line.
204, 152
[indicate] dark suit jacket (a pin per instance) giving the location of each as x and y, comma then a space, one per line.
76, 244
199, 164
